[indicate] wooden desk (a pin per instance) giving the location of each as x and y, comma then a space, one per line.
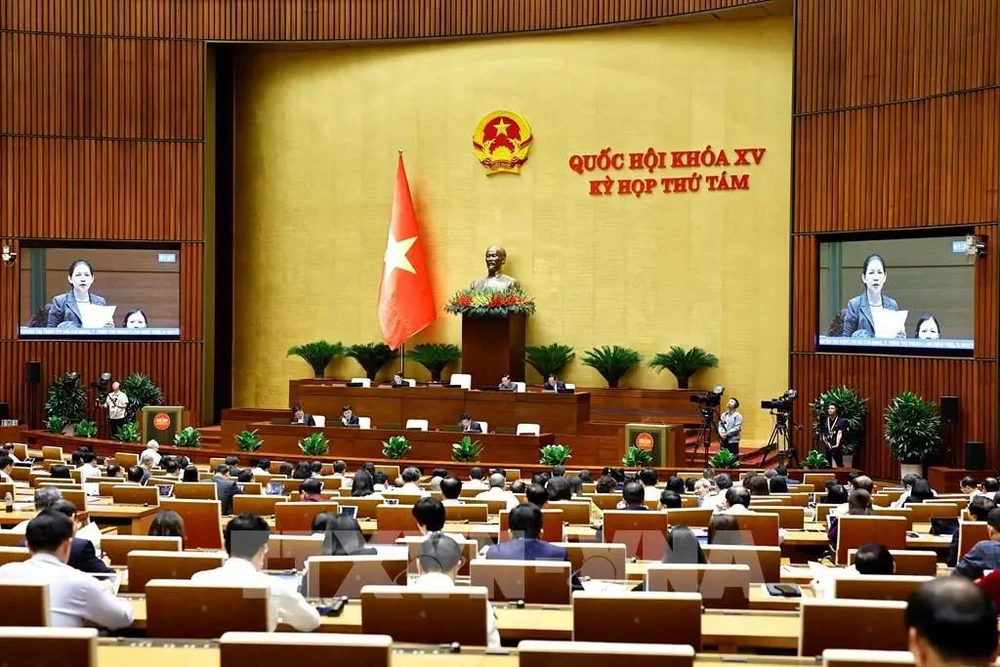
128, 519
558, 413
354, 443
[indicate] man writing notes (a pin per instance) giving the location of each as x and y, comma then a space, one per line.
468, 425
730, 425
347, 416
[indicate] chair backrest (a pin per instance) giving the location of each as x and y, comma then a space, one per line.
238, 649
764, 562
394, 521
298, 517
789, 518
24, 604
455, 615
642, 533
875, 625
853, 531
596, 618
133, 494
692, 517
366, 506
202, 521
77, 496
364, 382
52, 453
416, 424
250, 488
290, 552
903, 512
391, 470
892, 587
118, 547
758, 529
259, 505
19, 474
410, 381
463, 380
817, 479
335, 576
969, 533
484, 425
404, 497
605, 501
536, 653
470, 551
520, 387
320, 421
196, 491
575, 512
20, 451
911, 563
720, 586
472, 513
365, 423
823, 511
924, 512
144, 566
552, 526
846, 657
204, 611
597, 560
14, 554
9, 538
40, 647
535, 582
570, 385
125, 459
512, 474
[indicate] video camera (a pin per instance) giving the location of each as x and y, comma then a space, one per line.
710, 399
782, 403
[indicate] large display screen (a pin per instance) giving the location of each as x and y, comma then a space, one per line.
116, 292
905, 294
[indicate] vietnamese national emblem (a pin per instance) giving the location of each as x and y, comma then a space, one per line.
502, 141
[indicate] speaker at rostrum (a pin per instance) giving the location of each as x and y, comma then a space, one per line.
975, 455
949, 408
33, 372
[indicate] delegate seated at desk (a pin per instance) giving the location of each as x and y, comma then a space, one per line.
468, 425
347, 416
299, 417
506, 384
398, 381
552, 383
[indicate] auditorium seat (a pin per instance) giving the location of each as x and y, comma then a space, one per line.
552, 526
336, 576
844, 657
196, 491
469, 513
21, 451
902, 512
969, 533
259, 505
908, 562
416, 425
534, 582
599, 617
483, 425
463, 380
144, 566
320, 420
239, 649
366, 506
470, 551
133, 494
410, 381
199, 611
528, 429
9, 538
575, 512
597, 560
757, 529
38, 647
24, 604
520, 387
642, 533
853, 531
52, 453
126, 459
117, 547
692, 517
290, 552
570, 385
14, 554
875, 625
456, 615
298, 517
202, 521
891, 587
364, 382
535, 653
394, 521
365, 423
764, 562
720, 586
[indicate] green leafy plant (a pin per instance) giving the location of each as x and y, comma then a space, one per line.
637, 458
371, 356
86, 429
396, 448
815, 461
684, 363
851, 407
55, 424
141, 391
129, 432
187, 437
476, 302
466, 450
248, 441
66, 398
548, 359
314, 444
555, 454
913, 429
317, 354
435, 357
724, 459
612, 362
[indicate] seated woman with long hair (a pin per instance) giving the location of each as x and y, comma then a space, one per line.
364, 485
920, 492
859, 503
167, 523
344, 538
724, 529
683, 548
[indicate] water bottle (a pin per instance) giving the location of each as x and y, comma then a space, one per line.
8, 501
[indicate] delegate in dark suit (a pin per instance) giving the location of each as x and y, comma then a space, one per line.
82, 556
306, 420
472, 427
64, 312
526, 549
349, 421
225, 490
858, 319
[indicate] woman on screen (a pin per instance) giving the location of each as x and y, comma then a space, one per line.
64, 310
135, 319
868, 309
927, 328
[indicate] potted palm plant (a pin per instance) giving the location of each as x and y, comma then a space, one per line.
612, 362
67, 399
371, 356
912, 431
435, 357
684, 363
854, 411
317, 354
548, 359
141, 391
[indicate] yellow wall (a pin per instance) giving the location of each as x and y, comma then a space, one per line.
317, 134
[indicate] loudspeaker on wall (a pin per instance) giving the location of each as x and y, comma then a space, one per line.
975, 455
949, 408
33, 372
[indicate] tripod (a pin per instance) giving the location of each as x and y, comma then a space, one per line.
781, 441
709, 423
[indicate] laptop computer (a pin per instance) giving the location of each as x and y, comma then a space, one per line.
452, 428
490, 387
565, 391
281, 421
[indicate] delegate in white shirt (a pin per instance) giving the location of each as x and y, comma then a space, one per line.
76, 599
287, 606
496, 492
436, 581
117, 402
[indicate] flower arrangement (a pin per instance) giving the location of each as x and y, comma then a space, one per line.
487, 303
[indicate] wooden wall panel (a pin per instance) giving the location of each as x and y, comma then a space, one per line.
987, 286
99, 189
925, 163
805, 311
880, 378
861, 52
41, 84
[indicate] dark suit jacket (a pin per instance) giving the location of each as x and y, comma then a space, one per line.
352, 420
65, 313
225, 490
82, 556
858, 320
559, 385
309, 421
525, 549
473, 427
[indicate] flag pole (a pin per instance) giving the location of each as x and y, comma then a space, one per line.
402, 348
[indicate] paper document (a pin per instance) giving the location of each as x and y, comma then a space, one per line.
888, 323
96, 317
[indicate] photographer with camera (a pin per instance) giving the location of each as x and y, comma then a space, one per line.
831, 433
730, 425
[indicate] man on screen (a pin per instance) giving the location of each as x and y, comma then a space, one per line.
65, 310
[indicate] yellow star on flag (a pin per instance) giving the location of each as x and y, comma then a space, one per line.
395, 254
501, 127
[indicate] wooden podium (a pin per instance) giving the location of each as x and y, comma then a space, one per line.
491, 347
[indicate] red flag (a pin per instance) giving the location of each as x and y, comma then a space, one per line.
405, 298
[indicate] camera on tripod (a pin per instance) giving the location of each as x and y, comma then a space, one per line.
710, 399
782, 403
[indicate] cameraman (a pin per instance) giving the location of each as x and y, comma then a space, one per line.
730, 425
